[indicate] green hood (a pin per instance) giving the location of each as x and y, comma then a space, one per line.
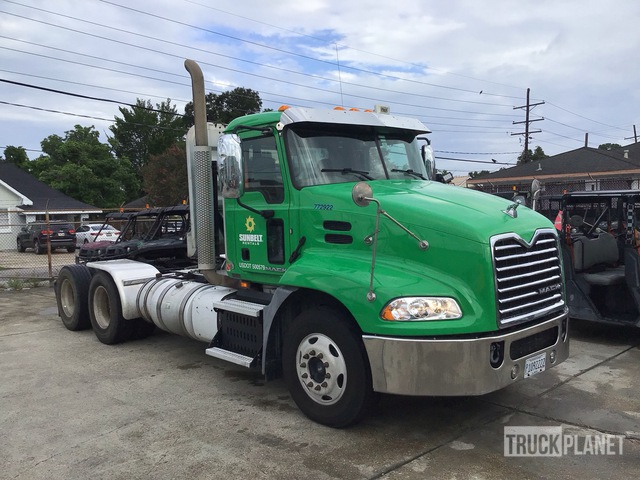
454, 211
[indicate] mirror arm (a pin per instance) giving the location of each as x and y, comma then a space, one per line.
267, 214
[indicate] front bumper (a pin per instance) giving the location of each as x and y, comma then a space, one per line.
409, 366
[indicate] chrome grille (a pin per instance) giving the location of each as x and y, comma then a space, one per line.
528, 277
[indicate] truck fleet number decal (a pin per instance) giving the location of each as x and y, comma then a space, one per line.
323, 206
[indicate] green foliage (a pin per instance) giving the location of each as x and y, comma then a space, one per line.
226, 106
143, 131
107, 175
17, 156
475, 174
80, 166
165, 177
537, 154
609, 146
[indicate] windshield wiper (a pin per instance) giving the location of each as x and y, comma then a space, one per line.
348, 170
409, 172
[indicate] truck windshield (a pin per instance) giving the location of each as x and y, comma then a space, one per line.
321, 154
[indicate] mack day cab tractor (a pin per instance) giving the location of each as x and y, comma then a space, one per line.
337, 265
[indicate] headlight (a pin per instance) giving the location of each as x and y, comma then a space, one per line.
421, 309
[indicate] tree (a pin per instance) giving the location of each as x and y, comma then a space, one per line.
144, 131
165, 177
609, 146
475, 174
228, 105
80, 166
16, 155
537, 154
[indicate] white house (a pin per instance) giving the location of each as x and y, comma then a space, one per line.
24, 199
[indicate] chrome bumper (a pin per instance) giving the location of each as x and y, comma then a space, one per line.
409, 366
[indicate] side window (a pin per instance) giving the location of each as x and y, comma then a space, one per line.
263, 172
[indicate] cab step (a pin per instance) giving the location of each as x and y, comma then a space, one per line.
239, 337
242, 307
229, 356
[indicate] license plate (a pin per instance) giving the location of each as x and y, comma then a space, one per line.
535, 364
108, 234
60, 234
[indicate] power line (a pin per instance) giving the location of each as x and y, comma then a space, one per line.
91, 117
42, 77
77, 95
473, 161
269, 47
478, 153
209, 64
586, 118
225, 56
359, 50
22, 148
50, 110
310, 75
292, 53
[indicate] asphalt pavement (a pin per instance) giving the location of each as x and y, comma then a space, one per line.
73, 408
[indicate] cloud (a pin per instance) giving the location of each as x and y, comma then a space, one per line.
426, 59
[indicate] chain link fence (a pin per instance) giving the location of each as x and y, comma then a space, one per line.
549, 201
21, 266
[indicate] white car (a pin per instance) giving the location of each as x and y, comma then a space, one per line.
95, 232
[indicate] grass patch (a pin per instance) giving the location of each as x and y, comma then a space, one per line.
15, 283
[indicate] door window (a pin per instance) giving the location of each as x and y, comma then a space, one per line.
263, 168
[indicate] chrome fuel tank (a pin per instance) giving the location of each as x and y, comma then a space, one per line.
182, 307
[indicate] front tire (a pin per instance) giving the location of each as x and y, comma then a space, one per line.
105, 311
326, 369
72, 291
21, 248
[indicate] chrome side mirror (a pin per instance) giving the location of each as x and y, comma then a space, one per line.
230, 168
362, 194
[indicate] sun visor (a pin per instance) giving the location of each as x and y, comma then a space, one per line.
350, 117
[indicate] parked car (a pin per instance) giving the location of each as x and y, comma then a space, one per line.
96, 232
36, 236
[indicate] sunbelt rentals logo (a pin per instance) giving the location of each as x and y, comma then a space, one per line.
250, 238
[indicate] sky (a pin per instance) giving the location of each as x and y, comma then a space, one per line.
462, 67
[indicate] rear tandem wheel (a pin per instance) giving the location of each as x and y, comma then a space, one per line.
72, 291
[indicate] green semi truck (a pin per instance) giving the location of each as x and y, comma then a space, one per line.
328, 256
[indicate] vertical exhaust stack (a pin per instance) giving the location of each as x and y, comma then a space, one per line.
201, 184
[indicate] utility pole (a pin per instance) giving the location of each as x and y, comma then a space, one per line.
527, 108
635, 135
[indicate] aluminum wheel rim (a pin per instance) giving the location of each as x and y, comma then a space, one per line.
67, 299
101, 308
321, 369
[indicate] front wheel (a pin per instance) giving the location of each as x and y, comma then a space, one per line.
72, 290
21, 248
105, 311
326, 368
